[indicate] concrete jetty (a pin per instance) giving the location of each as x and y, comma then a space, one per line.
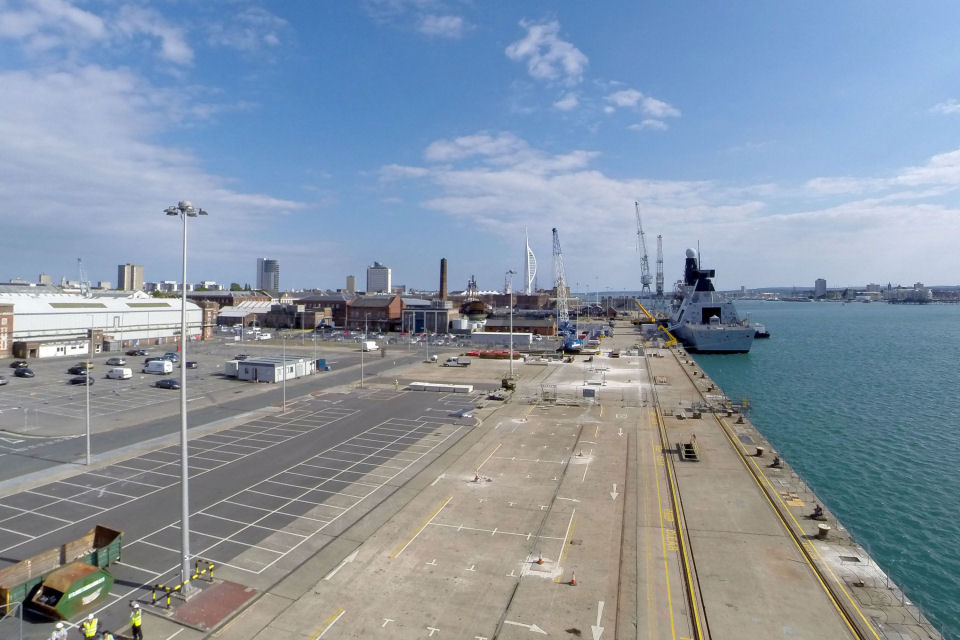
607, 497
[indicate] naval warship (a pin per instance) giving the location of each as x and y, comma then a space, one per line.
703, 320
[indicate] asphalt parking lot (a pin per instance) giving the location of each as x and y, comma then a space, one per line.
27, 405
265, 494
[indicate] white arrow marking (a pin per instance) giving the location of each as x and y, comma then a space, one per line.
614, 494
386, 621
349, 558
531, 627
597, 629
439, 478
620, 432
433, 630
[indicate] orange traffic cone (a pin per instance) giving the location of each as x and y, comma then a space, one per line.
573, 580
476, 477
539, 559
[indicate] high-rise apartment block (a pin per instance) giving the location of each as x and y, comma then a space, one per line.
268, 274
130, 277
378, 278
820, 288
351, 284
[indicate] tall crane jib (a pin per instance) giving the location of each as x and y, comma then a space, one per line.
645, 278
659, 267
560, 282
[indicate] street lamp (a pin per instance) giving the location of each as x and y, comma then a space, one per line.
362, 345
86, 370
185, 210
510, 275
284, 408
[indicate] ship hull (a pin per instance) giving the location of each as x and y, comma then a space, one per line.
706, 339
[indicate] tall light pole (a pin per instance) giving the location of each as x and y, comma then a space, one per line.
284, 409
362, 346
185, 210
510, 275
86, 369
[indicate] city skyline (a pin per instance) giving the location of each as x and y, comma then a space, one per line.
763, 134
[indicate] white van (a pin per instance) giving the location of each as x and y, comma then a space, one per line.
158, 366
369, 345
120, 373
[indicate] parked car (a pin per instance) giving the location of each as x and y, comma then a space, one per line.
150, 359
18, 364
88, 364
167, 383
23, 372
191, 364
3, 381
241, 356
116, 362
81, 380
77, 370
137, 352
171, 356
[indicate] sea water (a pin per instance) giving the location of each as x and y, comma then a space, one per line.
863, 401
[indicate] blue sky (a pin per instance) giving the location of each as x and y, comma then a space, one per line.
792, 141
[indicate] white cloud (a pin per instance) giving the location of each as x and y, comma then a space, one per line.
942, 169
842, 185
548, 57
77, 151
569, 102
947, 108
48, 24
649, 123
514, 184
134, 21
441, 26
631, 98
625, 98
658, 108
482, 144
251, 30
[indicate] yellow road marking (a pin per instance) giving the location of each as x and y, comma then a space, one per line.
433, 515
811, 548
663, 543
329, 622
489, 456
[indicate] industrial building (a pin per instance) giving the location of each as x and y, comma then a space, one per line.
270, 368
45, 323
432, 316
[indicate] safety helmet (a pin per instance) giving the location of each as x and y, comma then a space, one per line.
136, 606
90, 617
59, 625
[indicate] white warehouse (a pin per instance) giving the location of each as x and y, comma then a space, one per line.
45, 324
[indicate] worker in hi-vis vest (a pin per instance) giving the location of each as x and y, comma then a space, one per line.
136, 619
89, 627
59, 633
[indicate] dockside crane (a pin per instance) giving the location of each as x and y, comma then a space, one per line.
560, 282
84, 283
660, 267
645, 278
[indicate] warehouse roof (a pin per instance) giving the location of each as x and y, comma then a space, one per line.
53, 303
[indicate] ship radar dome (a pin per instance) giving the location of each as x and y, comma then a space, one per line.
691, 253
